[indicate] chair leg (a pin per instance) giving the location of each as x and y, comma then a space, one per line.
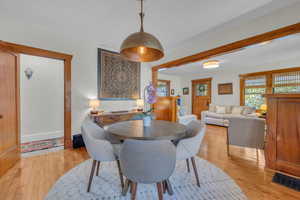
130, 186
91, 175
257, 155
133, 189
188, 165
169, 187
125, 188
164, 185
195, 170
97, 171
120, 174
159, 191
227, 142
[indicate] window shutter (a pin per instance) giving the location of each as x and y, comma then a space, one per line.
256, 81
288, 82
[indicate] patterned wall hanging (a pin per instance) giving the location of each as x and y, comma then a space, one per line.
118, 79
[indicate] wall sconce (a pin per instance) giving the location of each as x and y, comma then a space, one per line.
28, 73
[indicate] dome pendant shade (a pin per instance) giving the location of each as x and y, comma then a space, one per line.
142, 47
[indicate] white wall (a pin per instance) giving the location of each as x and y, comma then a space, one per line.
223, 76
42, 98
174, 84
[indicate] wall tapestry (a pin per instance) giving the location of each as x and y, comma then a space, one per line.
118, 79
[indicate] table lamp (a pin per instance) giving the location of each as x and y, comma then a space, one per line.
263, 109
94, 104
140, 104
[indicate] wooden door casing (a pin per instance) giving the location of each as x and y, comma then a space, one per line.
200, 103
9, 110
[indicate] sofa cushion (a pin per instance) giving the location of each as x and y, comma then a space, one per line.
220, 109
214, 121
237, 110
214, 115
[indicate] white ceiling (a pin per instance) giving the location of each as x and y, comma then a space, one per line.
283, 51
108, 22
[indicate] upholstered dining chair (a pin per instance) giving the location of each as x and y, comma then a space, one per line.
99, 148
246, 132
189, 147
148, 162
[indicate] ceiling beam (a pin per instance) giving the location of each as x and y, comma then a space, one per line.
278, 33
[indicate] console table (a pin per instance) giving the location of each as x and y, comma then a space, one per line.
104, 119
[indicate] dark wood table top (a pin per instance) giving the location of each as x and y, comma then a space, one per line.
159, 130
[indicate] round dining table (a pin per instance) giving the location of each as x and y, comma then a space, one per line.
158, 130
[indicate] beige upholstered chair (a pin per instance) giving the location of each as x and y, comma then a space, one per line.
246, 132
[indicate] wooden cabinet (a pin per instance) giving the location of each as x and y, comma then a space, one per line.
166, 108
283, 133
104, 119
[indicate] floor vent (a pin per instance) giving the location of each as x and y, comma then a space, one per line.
287, 181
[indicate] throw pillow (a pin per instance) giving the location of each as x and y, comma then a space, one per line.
248, 110
212, 108
220, 110
237, 110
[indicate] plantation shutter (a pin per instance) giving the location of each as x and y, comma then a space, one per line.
288, 82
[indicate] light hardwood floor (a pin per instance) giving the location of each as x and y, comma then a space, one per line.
32, 178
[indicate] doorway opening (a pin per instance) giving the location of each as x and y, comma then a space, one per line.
41, 104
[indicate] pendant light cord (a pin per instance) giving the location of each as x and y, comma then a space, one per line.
142, 16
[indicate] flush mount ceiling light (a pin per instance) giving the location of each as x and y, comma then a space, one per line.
142, 46
211, 64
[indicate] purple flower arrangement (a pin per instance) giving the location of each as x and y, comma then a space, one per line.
149, 97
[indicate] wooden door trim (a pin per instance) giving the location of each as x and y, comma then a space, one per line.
17, 48
193, 93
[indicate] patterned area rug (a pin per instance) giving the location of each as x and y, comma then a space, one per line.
215, 184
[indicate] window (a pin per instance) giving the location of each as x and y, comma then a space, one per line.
254, 88
288, 82
254, 85
163, 88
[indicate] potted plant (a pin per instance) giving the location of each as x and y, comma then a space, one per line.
149, 99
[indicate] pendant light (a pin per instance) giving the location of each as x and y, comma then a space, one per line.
141, 46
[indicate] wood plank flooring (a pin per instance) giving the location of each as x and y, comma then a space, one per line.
32, 178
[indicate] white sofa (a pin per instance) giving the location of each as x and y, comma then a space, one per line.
220, 114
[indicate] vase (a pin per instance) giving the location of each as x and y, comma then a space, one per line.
147, 121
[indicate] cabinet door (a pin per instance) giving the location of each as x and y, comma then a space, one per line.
9, 118
288, 136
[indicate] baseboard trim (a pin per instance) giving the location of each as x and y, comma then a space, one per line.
41, 136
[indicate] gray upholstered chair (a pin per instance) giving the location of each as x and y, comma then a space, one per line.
189, 147
147, 162
246, 132
98, 148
